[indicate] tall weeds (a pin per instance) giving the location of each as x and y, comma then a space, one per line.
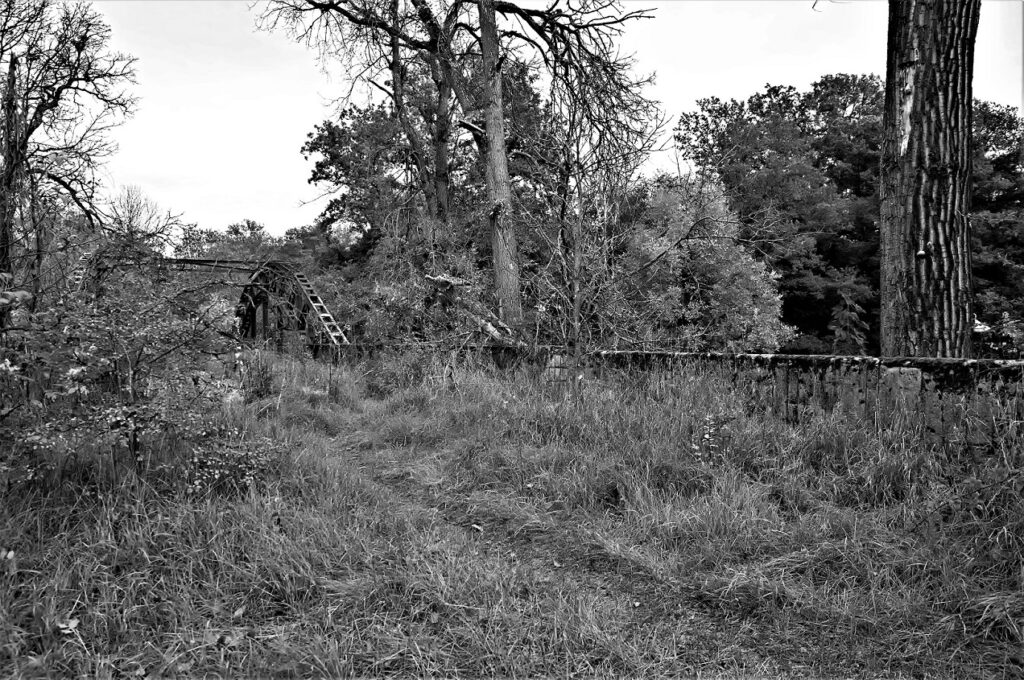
465, 521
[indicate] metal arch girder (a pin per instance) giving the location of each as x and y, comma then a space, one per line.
278, 279
89, 260
215, 264
267, 277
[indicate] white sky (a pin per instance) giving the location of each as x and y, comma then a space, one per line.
224, 109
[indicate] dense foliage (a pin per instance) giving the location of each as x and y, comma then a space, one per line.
618, 262
801, 171
126, 374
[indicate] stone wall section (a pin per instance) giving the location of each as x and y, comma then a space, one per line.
958, 402
968, 402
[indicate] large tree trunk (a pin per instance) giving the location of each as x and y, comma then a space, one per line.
442, 140
9, 172
419, 152
8, 180
925, 179
499, 186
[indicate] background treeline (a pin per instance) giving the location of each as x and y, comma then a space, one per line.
768, 239
765, 238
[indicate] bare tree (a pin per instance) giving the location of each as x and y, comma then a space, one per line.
592, 176
404, 53
575, 43
9, 174
499, 186
64, 91
137, 219
926, 287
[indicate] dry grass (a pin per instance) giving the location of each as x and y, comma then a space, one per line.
468, 524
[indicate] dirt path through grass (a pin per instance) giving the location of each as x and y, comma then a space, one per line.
487, 526
642, 621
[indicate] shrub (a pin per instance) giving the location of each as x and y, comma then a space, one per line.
228, 465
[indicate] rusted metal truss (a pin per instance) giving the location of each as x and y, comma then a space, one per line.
295, 303
275, 297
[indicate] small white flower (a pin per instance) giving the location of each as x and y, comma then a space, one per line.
68, 627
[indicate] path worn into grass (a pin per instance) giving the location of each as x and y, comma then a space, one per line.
486, 527
651, 530
670, 624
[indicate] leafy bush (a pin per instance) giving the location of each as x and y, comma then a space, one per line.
111, 383
703, 288
226, 464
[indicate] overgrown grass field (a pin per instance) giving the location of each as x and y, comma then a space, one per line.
404, 517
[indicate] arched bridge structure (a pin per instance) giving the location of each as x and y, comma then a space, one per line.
275, 297
276, 290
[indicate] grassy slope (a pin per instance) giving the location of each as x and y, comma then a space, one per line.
481, 526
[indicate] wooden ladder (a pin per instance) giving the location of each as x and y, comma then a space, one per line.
77, 276
329, 326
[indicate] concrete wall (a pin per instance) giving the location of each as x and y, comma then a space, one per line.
955, 401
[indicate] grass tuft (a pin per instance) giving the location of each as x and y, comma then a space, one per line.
408, 517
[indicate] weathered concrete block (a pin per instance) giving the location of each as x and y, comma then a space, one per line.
903, 380
932, 413
899, 394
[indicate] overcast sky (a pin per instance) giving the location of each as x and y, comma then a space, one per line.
224, 108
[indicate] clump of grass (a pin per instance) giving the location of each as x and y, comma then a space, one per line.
825, 513
257, 375
463, 522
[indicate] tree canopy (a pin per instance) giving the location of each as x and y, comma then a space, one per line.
802, 171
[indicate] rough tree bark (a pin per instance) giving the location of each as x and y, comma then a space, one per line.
9, 173
499, 186
442, 132
416, 143
925, 179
